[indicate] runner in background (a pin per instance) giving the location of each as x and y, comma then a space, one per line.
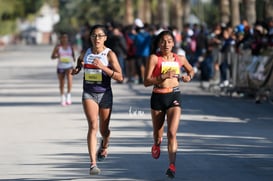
65, 55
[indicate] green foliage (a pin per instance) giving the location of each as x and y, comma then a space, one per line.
11, 10
75, 13
31, 7
211, 14
260, 8
7, 27
207, 13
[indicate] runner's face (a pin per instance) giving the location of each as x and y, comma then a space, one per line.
64, 39
98, 37
166, 43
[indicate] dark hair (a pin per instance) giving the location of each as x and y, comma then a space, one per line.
62, 33
165, 32
159, 37
102, 27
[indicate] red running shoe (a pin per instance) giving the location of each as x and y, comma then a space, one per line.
156, 150
171, 171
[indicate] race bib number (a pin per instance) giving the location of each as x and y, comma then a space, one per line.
165, 66
93, 75
65, 59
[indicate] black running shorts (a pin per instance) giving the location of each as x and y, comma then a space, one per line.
165, 101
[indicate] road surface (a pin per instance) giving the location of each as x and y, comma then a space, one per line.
220, 138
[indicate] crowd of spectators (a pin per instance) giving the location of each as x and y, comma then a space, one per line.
207, 48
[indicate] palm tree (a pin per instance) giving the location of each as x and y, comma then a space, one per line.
163, 12
268, 9
235, 15
250, 11
144, 10
176, 14
147, 11
224, 11
129, 18
186, 5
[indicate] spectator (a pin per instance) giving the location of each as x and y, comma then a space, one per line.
117, 42
142, 42
226, 49
131, 54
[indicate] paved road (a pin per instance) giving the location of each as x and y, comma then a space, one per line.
220, 138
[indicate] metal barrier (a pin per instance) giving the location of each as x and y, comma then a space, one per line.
249, 75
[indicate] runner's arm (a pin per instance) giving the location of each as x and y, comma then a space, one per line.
115, 72
148, 78
187, 66
55, 53
79, 65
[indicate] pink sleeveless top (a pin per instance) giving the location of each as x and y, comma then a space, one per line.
158, 68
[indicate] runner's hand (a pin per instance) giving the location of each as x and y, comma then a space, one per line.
75, 71
169, 74
97, 63
186, 78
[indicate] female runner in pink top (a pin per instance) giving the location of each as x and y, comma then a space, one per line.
163, 73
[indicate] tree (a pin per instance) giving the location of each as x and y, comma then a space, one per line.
177, 14
144, 10
163, 13
129, 18
235, 15
186, 6
12, 10
250, 11
268, 9
225, 11
147, 11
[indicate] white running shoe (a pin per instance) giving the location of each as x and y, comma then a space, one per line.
94, 170
63, 103
68, 99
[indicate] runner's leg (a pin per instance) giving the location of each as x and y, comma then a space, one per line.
173, 118
91, 109
158, 118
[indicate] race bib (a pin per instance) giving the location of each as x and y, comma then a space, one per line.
94, 75
165, 66
65, 59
